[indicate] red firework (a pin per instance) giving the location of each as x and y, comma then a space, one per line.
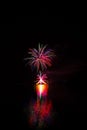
41, 57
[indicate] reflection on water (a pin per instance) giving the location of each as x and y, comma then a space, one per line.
40, 113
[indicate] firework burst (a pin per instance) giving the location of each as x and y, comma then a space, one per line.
41, 57
41, 85
41, 78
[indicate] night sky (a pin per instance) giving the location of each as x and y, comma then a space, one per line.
67, 76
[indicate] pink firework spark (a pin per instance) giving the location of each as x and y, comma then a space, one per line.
41, 57
41, 78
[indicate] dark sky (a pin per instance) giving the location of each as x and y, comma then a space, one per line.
67, 76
